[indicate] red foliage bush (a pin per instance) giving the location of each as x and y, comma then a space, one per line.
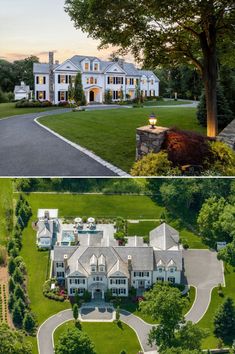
186, 147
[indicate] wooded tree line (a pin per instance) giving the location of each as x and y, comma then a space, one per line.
12, 74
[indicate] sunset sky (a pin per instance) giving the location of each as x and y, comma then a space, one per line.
31, 27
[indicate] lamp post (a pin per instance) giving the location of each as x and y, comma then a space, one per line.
152, 120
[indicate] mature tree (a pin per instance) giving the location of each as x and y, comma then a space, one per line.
7, 80
79, 95
227, 254
190, 336
19, 292
165, 304
18, 277
162, 31
29, 323
208, 220
13, 342
75, 312
74, 341
23, 70
224, 320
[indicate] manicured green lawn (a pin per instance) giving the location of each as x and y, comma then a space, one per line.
166, 103
111, 134
216, 300
6, 203
108, 338
71, 205
9, 109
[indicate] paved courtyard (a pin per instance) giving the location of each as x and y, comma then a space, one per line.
203, 271
97, 312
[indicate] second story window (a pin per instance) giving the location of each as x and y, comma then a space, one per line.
63, 79
87, 66
41, 80
96, 66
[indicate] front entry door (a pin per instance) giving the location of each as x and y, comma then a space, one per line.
92, 96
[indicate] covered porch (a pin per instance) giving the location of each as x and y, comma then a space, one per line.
94, 94
97, 291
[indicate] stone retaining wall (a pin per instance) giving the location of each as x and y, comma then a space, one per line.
228, 135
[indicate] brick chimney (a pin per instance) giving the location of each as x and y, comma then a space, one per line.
51, 77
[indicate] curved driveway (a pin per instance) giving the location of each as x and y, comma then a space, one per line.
46, 330
26, 149
204, 272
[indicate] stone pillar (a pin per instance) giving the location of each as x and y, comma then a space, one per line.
149, 140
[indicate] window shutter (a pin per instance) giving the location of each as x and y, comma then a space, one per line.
66, 96
122, 80
37, 80
44, 80
108, 80
59, 96
37, 95
66, 79
44, 95
58, 79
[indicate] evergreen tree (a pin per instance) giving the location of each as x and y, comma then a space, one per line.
29, 322
19, 293
11, 302
17, 315
18, 277
224, 320
224, 113
79, 96
11, 266
75, 311
21, 305
11, 285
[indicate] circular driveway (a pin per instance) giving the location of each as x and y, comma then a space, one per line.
27, 149
203, 271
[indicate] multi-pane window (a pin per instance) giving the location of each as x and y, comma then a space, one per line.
93, 268
121, 291
77, 281
117, 281
87, 66
97, 279
41, 80
96, 66
41, 95
115, 80
60, 274
141, 274
130, 81
62, 96
160, 279
115, 95
79, 291
151, 81
171, 280
59, 265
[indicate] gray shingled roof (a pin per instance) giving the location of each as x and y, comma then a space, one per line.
60, 251
142, 257
129, 68
167, 256
164, 237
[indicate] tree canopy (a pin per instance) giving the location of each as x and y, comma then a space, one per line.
163, 31
13, 342
74, 341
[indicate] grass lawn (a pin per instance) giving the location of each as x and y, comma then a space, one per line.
216, 300
109, 206
6, 203
112, 134
166, 103
108, 338
9, 109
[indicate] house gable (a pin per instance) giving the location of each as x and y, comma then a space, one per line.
67, 66
114, 69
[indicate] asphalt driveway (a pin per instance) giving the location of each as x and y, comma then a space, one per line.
204, 272
26, 149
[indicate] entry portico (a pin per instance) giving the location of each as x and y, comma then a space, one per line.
94, 94
97, 290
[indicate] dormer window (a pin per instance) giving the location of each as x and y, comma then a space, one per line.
87, 66
93, 268
93, 263
96, 66
101, 268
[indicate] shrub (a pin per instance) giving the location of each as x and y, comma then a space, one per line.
222, 160
154, 165
3, 256
3, 97
31, 104
29, 323
186, 148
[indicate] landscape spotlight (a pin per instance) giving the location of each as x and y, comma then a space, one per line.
152, 120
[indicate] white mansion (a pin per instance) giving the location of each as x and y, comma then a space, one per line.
98, 76
86, 256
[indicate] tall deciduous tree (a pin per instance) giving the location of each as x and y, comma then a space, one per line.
162, 31
13, 342
74, 341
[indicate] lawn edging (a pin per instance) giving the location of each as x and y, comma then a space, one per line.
89, 153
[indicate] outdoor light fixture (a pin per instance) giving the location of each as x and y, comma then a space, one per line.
152, 120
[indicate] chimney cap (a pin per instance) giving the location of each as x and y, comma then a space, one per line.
65, 256
129, 257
